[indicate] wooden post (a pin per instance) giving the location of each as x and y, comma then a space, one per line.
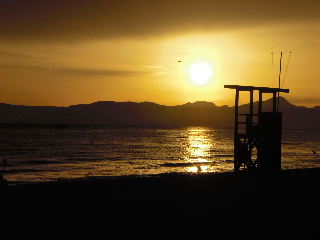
236, 115
274, 101
251, 110
260, 104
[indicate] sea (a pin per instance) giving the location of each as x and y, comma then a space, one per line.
39, 153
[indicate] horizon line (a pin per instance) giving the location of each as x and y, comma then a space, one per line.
223, 105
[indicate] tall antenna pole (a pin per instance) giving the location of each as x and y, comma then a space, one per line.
285, 74
279, 82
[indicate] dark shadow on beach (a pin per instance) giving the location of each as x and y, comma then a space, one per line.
167, 206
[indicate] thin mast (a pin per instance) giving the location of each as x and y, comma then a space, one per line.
279, 82
285, 74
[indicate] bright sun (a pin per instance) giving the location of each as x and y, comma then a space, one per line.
200, 73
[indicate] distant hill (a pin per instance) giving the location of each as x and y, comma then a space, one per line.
152, 114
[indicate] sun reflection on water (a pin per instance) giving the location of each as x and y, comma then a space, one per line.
200, 144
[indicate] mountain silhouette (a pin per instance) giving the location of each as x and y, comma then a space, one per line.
151, 114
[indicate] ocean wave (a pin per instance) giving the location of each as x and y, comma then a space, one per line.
187, 164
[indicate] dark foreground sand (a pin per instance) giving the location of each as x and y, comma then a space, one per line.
167, 206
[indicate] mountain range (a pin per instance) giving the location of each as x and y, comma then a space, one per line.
112, 113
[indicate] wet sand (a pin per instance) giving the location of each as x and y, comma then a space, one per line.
167, 206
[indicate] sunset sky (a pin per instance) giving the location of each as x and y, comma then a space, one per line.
64, 52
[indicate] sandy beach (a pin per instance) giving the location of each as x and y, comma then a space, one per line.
174, 206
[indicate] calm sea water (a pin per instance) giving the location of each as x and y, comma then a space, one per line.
42, 153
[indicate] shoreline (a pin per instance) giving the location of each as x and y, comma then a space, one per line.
79, 180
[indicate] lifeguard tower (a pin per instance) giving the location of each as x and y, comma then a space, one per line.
257, 136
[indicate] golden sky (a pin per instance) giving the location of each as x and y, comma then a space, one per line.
69, 52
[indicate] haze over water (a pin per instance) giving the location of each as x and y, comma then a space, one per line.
42, 153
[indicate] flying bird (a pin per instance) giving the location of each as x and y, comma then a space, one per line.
314, 152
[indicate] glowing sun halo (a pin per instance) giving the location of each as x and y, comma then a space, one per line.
200, 73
